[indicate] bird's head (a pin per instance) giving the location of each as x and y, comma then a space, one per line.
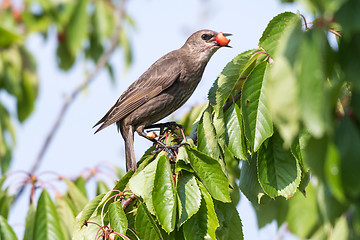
206, 42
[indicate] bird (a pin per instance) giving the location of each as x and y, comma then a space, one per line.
163, 88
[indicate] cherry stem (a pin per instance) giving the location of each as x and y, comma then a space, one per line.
335, 32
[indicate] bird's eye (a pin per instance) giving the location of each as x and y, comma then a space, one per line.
206, 36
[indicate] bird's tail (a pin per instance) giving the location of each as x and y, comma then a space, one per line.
104, 120
128, 134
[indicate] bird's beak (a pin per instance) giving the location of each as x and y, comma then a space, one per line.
227, 34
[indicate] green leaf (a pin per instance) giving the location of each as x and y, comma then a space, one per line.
355, 103
274, 209
142, 184
297, 150
333, 172
6, 232
257, 120
76, 29
145, 225
211, 175
6, 129
8, 38
196, 227
330, 209
64, 58
12, 68
28, 85
36, 23
231, 78
300, 222
275, 30
47, 223
164, 195
212, 220
89, 209
282, 85
233, 169
235, 227
121, 184
78, 199
80, 182
305, 180
315, 109
101, 187
348, 18
341, 229
89, 231
66, 216
118, 220
235, 138
249, 183
230, 223
356, 220
29, 223
103, 19
204, 223
146, 159
220, 129
347, 140
5, 200
279, 172
182, 157
349, 47
206, 136
181, 165
315, 155
189, 196
95, 48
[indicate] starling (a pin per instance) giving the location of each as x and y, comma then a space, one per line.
162, 89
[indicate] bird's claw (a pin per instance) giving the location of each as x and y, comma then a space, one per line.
170, 149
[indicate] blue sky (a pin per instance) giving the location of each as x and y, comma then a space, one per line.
161, 26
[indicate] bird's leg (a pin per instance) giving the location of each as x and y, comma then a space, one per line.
162, 145
170, 149
162, 126
172, 126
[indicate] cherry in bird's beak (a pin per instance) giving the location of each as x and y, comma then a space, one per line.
221, 39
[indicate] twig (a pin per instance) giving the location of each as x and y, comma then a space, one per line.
120, 13
306, 25
335, 32
125, 204
231, 101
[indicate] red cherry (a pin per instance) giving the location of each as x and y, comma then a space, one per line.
222, 40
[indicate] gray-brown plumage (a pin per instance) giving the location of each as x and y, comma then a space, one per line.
162, 89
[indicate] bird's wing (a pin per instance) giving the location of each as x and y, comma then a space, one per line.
161, 75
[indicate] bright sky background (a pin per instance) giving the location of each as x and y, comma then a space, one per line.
161, 26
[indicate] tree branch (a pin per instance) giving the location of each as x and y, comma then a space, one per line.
120, 13
126, 203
